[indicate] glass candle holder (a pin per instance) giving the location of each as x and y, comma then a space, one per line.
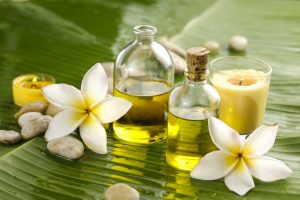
28, 88
243, 85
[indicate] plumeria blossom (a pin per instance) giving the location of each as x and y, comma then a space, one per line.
87, 109
239, 159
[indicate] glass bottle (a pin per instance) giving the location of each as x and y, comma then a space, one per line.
190, 105
144, 75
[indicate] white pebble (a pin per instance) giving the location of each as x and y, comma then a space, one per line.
121, 191
35, 127
212, 46
32, 107
109, 69
52, 110
110, 85
67, 147
9, 137
171, 46
179, 63
238, 43
27, 117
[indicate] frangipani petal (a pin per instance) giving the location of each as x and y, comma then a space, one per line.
261, 140
224, 137
111, 109
64, 96
94, 85
214, 165
93, 135
240, 180
64, 123
268, 169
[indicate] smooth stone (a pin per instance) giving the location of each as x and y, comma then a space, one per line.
32, 107
67, 147
122, 191
9, 137
238, 43
171, 46
179, 63
52, 110
212, 46
110, 86
36, 127
27, 117
109, 69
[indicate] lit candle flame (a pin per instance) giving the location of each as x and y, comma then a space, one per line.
34, 79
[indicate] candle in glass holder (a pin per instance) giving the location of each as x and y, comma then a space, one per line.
28, 88
243, 85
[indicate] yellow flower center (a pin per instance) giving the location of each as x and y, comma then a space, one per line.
87, 111
240, 155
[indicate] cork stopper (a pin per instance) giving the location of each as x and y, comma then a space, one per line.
197, 59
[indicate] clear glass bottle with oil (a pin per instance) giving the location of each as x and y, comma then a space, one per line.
144, 75
190, 106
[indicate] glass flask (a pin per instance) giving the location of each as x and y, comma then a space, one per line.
143, 75
190, 106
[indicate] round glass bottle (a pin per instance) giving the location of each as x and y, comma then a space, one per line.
190, 105
144, 75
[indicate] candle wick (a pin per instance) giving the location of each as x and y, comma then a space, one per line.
34, 86
241, 81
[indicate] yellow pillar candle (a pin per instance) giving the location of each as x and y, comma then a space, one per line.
243, 85
28, 88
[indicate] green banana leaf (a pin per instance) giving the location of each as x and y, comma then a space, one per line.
65, 38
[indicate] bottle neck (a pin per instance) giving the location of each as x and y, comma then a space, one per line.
195, 83
144, 33
196, 77
145, 39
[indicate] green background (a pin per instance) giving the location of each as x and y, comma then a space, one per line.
64, 38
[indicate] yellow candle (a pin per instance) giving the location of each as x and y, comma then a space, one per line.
243, 92
243, 99
28, 88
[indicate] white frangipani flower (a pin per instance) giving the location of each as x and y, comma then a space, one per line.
86, 109
239, 158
